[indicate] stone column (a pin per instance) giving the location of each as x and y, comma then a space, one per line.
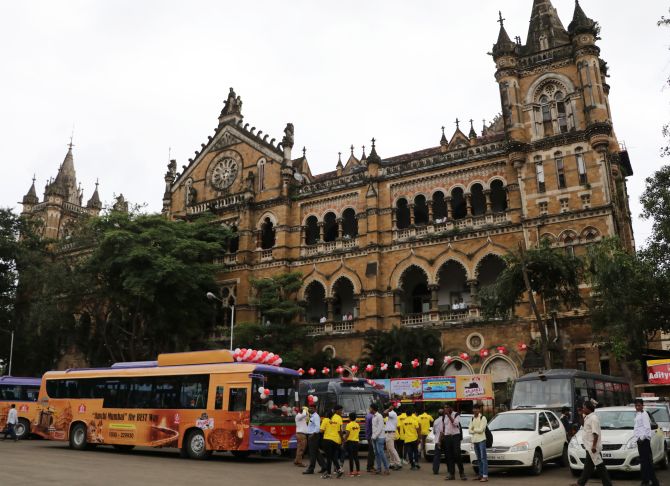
411, 214
397, 296
339, 228
303, 232
429, 204
450, 213
468, 204
330, 301
357, 306
394, 218
473, 292
433, 288
258, 239
489, 203
320, 224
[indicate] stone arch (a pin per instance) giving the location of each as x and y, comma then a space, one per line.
343, 292
550, 237
568, 237
261, 220
472, 183
488, 268
349, 275
452, 285
438, 189
501, 368
309, 215
413, 292
589, 234
349, 222
496, 178
403, 265
457, 367
450, 254
534, 90
314, 296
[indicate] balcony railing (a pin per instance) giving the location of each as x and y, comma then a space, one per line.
451, 225
329, 247
437, 317
331, 327
230, 259
266, 255
415, 319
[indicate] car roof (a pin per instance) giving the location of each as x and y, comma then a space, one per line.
526, 410
628, 408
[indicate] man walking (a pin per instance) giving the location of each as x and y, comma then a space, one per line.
438, 434
378, 440
301, 436
593, 446
313, 439
642, 432
389, 432
452, 443
368, 435
12, 420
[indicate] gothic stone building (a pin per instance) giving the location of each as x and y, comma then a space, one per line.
409, 240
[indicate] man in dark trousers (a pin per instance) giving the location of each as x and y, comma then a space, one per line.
593, 445
642, 432
368, 435
452, 443
438, 437
313, 439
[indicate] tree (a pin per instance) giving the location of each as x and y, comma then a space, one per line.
9, 228
656, 206
629, 300
545, 271
404, 345
278, 307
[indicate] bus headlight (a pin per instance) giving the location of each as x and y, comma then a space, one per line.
520, 447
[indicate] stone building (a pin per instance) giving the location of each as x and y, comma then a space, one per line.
409, 240
63, 201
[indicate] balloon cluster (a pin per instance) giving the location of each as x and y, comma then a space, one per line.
256, 356
415, 363
311, 400
523, 347
263, 392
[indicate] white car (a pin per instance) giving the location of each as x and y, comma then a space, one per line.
524, 439
465, 448
619, 444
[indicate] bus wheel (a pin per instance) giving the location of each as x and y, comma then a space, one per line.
123, 447
195, 445
78, 437
22, 429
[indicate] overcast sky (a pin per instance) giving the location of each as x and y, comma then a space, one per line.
137, 77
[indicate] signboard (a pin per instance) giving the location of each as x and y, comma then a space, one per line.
441, 388
658, 371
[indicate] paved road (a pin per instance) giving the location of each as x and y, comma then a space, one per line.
38, 462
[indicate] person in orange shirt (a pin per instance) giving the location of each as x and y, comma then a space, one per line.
351, 439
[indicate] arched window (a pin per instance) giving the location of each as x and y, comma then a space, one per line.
261, 175
539, 173
458, 207
498, 196
329, 227
478, 200
234, 242
402, 214
420, 210
349, 223
547, 123
561, 112
581, 166
560, 170
311, 230
439, 207
267, 234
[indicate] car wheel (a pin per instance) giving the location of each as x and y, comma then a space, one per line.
575, 472
536, 468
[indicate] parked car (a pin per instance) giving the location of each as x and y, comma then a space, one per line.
465, 454
660, 411
619, 444
524, 439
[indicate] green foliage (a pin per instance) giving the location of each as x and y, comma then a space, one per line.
404, 345
9, 226
275, 297
656, 206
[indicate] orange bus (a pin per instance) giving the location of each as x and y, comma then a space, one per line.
198, 402
23, 393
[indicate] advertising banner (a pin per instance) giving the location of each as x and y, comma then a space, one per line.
474, 387
406, 389
440, 388
658, 371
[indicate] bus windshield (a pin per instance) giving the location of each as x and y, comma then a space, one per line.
277, 407
552, 393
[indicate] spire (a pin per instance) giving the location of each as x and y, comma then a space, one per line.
65, 184
31, 195
581, 23
503, 45
546, 30
373, 158
443, 140
94, 202
472, 133
339, 161
364, 157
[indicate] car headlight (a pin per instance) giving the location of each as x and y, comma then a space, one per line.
520, 447
574, 443
632, 443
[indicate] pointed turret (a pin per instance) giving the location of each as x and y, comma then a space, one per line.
373, 158
443, 141
546, 30
581, 24
504, 45
94, 203
30, 199
472, 135
65, 184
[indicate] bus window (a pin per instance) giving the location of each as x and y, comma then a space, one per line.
554, 393
279, 405
194, 391
166, 392
31, 393
10, 392
218, 399
141, 392
237, 400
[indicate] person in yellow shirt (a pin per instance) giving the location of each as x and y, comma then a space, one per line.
425, 421
351, 439
400, 437
412, 430
332, 441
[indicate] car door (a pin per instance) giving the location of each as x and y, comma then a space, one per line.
545, 437
557, 434
657, 439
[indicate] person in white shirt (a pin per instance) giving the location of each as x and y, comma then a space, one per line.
301, 436
12, 420
593, 445
390, 431
451, 442
642, 433
323, 320
378, 440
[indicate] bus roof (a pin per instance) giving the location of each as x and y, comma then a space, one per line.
16, 380
568, 373
177, 369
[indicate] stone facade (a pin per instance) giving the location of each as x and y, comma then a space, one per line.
409, 240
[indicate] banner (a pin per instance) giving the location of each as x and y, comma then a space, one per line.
658, 371
441, 388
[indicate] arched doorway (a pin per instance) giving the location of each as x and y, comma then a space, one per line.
420, 210
343, 303
498, 196
457, 367
329, 227
267, 234
349, 223
415, 295
477, 200
458, 206
489, 269
311, 230
402, 214
453, 293
439, 207
315, 298
503, 373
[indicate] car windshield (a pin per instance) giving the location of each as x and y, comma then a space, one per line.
616, 420
552, 393
513, 421
660, 413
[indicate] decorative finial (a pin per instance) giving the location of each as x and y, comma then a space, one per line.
339, 157
304, 150
70, 145
471, 127
458, 124
96, 183
500, 18
352, 149
34, 178
443, 130
363, 152
169, 154
373, 142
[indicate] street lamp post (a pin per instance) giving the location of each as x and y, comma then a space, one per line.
11, 350
211, 296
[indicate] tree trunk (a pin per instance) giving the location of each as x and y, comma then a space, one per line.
533, 305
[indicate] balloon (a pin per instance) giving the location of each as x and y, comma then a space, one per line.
502, 349
369, 368
384, 367
325, 370
354, 368
523, 346
311, 371
397, 365
430, 361
263, 356
484, 353
338, 370
464, 356
301, 371
447, 359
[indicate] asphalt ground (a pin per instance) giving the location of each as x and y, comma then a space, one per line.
41, 462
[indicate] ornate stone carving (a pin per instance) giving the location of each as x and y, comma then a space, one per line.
225, 140
335, 204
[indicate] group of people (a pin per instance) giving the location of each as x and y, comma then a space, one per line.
394, 440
